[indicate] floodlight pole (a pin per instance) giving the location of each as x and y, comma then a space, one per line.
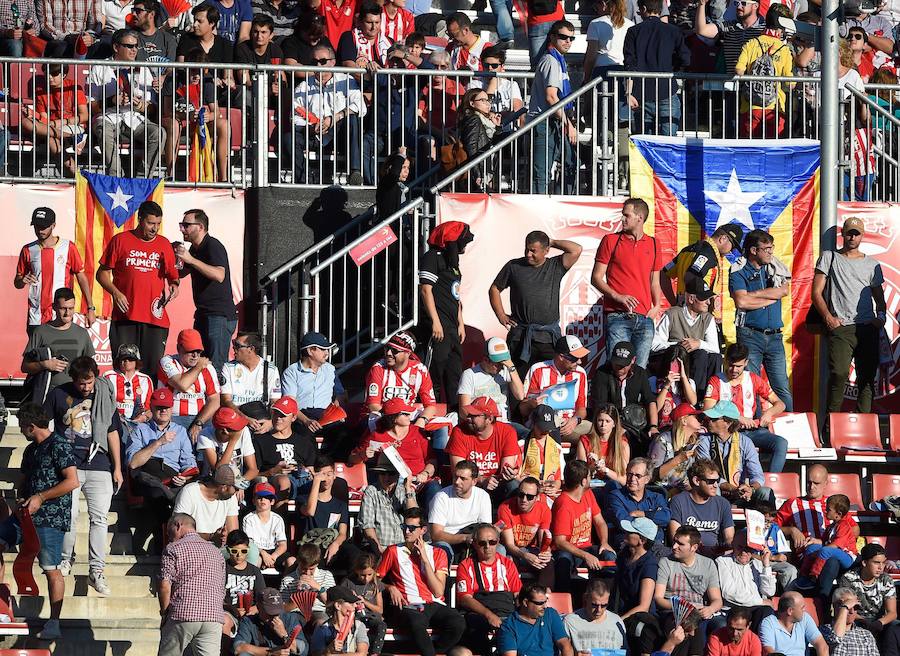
829, 124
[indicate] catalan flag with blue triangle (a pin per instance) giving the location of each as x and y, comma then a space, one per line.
200, 161
694, 186
105, 206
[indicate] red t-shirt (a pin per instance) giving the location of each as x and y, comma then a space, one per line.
60, 103
140, 271
338, 19
414, 448
573, 520
488, 453
500, 576
842, 534
629, 272
559, 14
524, 525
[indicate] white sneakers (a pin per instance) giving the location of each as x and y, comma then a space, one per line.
65, 567
97, 581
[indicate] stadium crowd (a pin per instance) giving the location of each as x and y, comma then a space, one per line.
475, 520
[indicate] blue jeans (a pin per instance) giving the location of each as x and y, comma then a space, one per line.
768, 350
548, 144
661, 116
12, 47
537, 39
823, 552
630, 327
216, 332
774, 444
50, 555
503, 11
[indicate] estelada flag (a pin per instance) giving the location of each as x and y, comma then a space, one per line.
201, 167
693, 186
105, 206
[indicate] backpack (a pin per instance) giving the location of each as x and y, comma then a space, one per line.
759, 93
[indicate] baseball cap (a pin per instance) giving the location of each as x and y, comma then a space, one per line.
286, 405
483, 405
128, 352
315, 339
162, 398
571, 345
264, 490
854, 223
735, 234
544, 418
395, 406
229, 419
403, 341
384, 465
699, 288
622, 354
497, 349
190, 340
43, 217
339, 593
723, 409
643, 526
224, 475
683, 410
270, 601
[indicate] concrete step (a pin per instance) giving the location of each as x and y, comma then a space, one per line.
116, 565
119, 608
99, 637
122, 586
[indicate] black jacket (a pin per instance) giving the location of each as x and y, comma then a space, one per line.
655, 47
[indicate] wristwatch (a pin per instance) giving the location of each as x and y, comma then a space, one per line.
197, 423
91, 308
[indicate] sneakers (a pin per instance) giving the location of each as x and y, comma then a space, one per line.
97, 581
892, 505
50, 631
355, 179
65, 567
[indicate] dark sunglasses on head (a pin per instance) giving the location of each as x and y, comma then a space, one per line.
526, 496
565, 37
487, 543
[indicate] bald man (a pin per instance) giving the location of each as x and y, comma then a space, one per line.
791, 629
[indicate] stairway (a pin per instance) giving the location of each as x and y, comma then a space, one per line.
126, 622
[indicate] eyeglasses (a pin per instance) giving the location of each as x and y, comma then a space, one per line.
481, 100
138, 10
565, 37
238, 345
493, 65
634, 475
599, 605
235, 552
409, 528
766, 249
857, 36
186, 224
537, 603
526, 496
710, 481
130, 46
744, 3
487, 543
322, 60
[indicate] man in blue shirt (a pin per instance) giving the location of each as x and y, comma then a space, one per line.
635, 500
791, 629
534, 629
312, 380
757, 289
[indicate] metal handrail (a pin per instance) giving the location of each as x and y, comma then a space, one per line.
710, 77
873, 105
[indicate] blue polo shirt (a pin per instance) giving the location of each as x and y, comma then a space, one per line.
311, 389
772, 634
538, 639
751, 279
653, 505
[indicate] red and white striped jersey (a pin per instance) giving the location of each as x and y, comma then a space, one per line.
468, 59
400, 26
54, 268
863, 152
406, 571
132, 392
414, 381
500, 576
545, 374
742, 392
187, 404
807, 515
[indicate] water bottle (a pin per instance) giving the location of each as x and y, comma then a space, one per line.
14, 10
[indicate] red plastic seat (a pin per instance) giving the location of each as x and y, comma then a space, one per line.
885, 485
855, 431
846, 484
354, 475
785, 485
561, 602
895, 432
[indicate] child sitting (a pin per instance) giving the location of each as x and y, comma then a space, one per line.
266, 529
839, 540
364, 583
326, 639
243, 582
308, 576
779, 548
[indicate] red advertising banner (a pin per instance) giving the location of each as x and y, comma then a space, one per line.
372, 245
500, 223
224, 207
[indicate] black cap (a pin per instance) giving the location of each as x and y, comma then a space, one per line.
43, 217
339, 593
384, 465
735, 234
544, 418
622, 354
699, 288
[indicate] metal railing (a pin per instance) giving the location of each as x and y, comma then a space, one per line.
871, 147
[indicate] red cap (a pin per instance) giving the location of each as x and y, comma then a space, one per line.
229, 419
395, 406
286, 405
190, 340
264, 490
683, 410
162, 398
483, 405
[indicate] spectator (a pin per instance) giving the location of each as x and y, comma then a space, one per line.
702, 509
539, 23
341, 605
321, 510
84, 412
692, 577
479, 129
136, 290
206, 261
212, 503
876, 595
575, 513
364, 46
49, 476
633, 500
879, 27
734, 453
605, 449
283, 454
593, 626
52, 345
839, 541
503, 92
524, 522
678, 386
415, 575
565, 367
621, 383
154, 44
441, 329
250, 382
691, 327
364, 584
309, 32
635, 582
391, 193
193, 381
791, 629
456, 508
606, 39
229, 443
31, 267
466, 45
382, 506
271, 628
241, 578
308, 576
863, 55
492, 445
533, 282
778, 546
235, 17
13, 25
191, 591
132, 389
672, 453
495, 378
630, 282
843, 636
534, 628
748, 392
115, 13
284, 15
203, 34
67, 28
553, 139
654, 46
486, 588
267, 530
312, 381
338, 16
854, 283
735, 638
731, 34
543, 456
746, 580
397, 22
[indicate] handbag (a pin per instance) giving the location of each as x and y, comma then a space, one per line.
453, 154
259, 410
815, 322
500, 602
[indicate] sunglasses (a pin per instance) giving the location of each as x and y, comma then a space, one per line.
487, 543
857, 36
710, 481
492, 65
137, 10
235, 552
526, 496
186, 224
322, 60
237, 345
130, 46
409, 528
853, 609
599, 605
537, 603
565, 37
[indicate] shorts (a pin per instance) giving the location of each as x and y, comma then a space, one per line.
51, 539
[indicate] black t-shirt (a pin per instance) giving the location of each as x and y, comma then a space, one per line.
444, 281
605, 388
296, 48
628, 580
221, 52
329, 514
297, 449
72, 419
211, 297
533, 291
239, 581
245, 54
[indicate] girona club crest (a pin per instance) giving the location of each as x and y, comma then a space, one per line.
582, 312
99, 332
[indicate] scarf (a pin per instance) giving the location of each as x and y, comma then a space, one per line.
535, 465
566, 84
747, 406
489, 126
731, 471
373, 50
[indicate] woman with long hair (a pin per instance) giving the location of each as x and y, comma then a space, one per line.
606, 39
672, 452
478, 126
605, 448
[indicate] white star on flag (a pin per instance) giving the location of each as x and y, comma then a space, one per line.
119, 199
735, 203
